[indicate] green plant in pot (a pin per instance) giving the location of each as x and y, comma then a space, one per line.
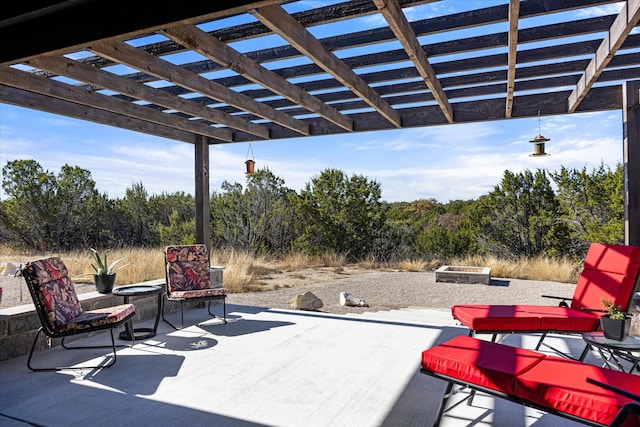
104, 275
616, 323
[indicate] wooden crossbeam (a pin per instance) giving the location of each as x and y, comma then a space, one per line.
103, 79
279, 21
26, 99
620, 29
45, 86
207, 45
514, 16
398, 23
164, 70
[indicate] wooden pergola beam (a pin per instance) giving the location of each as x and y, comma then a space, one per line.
137, 58
103, 79
620, 29
34, 83
514, 16
36, 101
398, 23
279, 21
207, 45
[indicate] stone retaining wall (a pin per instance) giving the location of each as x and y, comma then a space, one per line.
19, 325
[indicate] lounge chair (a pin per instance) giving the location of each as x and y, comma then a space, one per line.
610, 271
585, 393
189, 279
60, 312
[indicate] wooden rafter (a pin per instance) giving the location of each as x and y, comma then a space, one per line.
103, 79
201, 42
622, 26
514, 16
29, 81
398, 23
137, 58
279, 21
36, 101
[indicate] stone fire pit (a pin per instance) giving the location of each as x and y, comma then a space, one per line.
457, 274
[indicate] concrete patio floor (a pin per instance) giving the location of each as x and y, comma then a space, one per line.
266, 367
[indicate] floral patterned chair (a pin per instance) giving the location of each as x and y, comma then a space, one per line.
60, 312
188, 278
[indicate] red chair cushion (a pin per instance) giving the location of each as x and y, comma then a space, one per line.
594, 285
483, 363
486, 317
565, 319
616, 259
561, 384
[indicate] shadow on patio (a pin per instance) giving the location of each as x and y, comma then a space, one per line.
265, 367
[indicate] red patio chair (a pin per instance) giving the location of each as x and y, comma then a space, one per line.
610, 271
189, 279
589, 394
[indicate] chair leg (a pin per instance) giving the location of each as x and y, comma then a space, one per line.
443, 403
544, 334
165, 319
224, 309
112, 362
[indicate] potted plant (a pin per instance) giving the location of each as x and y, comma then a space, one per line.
104, 275
616, 323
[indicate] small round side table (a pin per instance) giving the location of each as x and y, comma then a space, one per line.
135, 291
612, 351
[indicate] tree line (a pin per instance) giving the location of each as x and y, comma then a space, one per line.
529, 213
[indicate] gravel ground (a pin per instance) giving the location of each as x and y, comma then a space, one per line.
381, 290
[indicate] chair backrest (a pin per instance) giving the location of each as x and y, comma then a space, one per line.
52, 292
187, 267
611, 272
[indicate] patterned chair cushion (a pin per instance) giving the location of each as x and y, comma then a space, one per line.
187, 268
56, 292
99, 317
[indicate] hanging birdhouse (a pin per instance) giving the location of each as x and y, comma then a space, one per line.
250, 164
538, 142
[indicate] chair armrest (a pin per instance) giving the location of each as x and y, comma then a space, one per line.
562, 303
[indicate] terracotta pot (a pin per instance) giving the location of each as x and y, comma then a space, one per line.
615, 329
104, 282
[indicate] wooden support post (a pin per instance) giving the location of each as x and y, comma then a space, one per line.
631, 119
203, 206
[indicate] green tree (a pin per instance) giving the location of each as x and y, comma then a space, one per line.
520, 217
592, 205
258, 218
448, 233
134, 219
45, 211
340, 214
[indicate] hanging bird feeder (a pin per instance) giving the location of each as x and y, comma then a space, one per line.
250, 164
538, 143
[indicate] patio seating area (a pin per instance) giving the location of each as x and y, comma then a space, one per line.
266, 367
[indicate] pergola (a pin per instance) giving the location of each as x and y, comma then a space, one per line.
121, 63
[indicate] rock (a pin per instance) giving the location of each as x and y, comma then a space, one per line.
8, 268
307, 301
347, 299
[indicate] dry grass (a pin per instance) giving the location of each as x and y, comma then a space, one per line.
247, 272
295, 261
539, 268
412, 265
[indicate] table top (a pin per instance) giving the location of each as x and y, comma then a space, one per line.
135, 290
631, 343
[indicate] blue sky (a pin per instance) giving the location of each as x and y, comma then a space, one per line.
462, 161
